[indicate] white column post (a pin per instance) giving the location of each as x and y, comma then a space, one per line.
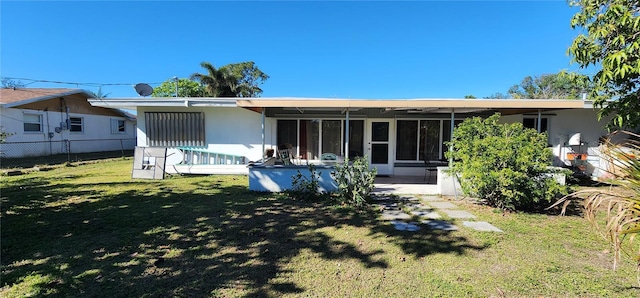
263, 134
539, 126
453, 113
346, 136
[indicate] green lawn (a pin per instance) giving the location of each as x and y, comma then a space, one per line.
90, 230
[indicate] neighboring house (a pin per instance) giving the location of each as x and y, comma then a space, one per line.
46, 121
397, 136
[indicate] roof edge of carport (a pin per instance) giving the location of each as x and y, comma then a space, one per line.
412, 103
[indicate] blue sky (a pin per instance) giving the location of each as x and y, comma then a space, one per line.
361, 49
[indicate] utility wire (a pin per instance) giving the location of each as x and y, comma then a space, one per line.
74, 83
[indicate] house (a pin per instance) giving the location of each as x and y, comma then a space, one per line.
400, 137
46, 121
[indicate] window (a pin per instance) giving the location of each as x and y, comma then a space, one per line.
356, 138
32, 122
429, 140
533, 123
170, 129
117, 126
310, 138
287, 133
422, 139
407, 140
331, 136
446, 134
75, 124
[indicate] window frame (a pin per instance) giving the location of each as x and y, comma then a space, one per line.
72, 125
318, 144
39, 123
115, 126
544, 126
442, 138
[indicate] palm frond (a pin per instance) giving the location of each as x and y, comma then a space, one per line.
621, 205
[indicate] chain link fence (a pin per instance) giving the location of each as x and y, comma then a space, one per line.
10, 150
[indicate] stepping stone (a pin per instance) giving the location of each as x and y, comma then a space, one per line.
442, 205
440, 225
404, 226
457, 213
415, 206
481, 226
389, 206
408, 199
428, 214
431, 198
394, 214
381, 198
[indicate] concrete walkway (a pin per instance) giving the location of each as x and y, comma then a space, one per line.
405, 184
411, 213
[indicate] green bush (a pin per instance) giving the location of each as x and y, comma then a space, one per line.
307, 188
507, 165
355, 181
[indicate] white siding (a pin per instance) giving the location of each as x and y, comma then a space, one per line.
95, 127
228, 130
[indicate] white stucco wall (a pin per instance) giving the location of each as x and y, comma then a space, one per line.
96, 135
562, 125
228, 130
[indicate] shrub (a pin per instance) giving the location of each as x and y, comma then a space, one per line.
303, 187
506, 165
355, 181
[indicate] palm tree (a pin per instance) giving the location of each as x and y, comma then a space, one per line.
99, 93
621, 205
217, 82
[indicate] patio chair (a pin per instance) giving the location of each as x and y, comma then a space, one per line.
285, 156
328, 158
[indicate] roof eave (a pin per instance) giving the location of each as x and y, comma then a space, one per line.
133, 103
411, 103
46, 97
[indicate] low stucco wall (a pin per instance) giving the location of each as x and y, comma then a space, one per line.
447, 185
278, 178
450, 186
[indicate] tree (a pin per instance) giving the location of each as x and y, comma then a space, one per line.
506, 165
610, 42
470, 96
186, 88
10, 83
232, 80
562, 85
4, 135
248, 77
99, 94
497, 95
217, 82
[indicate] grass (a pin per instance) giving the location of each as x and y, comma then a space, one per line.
90, 230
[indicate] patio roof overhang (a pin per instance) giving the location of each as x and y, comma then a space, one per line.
410, 103
418, 105
423, 105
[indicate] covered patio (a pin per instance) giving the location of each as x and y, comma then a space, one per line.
405, 185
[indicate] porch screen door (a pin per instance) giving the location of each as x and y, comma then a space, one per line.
379, 146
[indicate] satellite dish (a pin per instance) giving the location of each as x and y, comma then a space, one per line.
143, 89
